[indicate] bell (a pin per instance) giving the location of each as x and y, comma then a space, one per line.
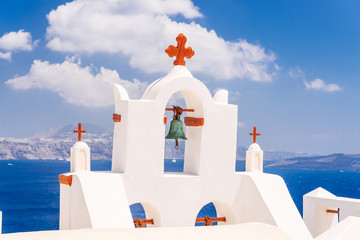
176, 131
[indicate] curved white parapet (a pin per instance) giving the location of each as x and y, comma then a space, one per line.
348, 229
120, 92
179, 79
221, 96
265, 198
248, 231
94, 200
157, 86
254, 148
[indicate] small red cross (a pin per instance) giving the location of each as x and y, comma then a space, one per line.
79, 132
254, 134
180, 51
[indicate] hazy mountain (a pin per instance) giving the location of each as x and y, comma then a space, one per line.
50, 148
272, 155
55, 143
337, 161
67, 132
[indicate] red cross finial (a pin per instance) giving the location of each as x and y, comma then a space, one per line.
79, 132
180, 51
254, 134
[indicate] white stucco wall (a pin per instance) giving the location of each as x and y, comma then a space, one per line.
248, 231
254, 158
348, 229
141, 133
315, 206
80, 157
94, 200
175, 199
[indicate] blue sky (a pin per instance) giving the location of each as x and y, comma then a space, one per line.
292, 67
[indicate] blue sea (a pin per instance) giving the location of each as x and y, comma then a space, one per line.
29, 189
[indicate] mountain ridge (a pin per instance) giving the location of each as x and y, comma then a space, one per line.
55, 143
335, 161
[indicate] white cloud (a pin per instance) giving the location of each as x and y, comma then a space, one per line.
142, 30
319, 84
76, 84
297, 73
15, 41
6, 55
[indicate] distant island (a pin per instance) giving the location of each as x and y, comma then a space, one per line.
338, 161
55, 144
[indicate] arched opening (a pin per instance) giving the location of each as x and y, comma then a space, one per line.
208, 210
174, 158
187, 158
144, 215
137, 211
214, 213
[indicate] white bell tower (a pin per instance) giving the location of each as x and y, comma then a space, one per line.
80, 154
254, 155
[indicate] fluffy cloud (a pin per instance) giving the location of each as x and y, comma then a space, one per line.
76, 84
5, 55
142, 30
319, 84
15, 41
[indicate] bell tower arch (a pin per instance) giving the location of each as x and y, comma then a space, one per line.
211, 128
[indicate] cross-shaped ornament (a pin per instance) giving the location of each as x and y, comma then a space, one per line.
180, 51
254, 134
79, 132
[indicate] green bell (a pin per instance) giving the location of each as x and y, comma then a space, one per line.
176, 131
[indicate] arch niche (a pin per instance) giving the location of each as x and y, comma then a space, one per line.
145, 210
174, 159
197, 97
216, 209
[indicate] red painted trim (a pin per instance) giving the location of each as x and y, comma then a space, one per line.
165, 120
332, 211
64, 179
116, 117
142, 222
208, 221
194, 122
184, 110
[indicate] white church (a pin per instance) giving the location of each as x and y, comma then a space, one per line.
249, 205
